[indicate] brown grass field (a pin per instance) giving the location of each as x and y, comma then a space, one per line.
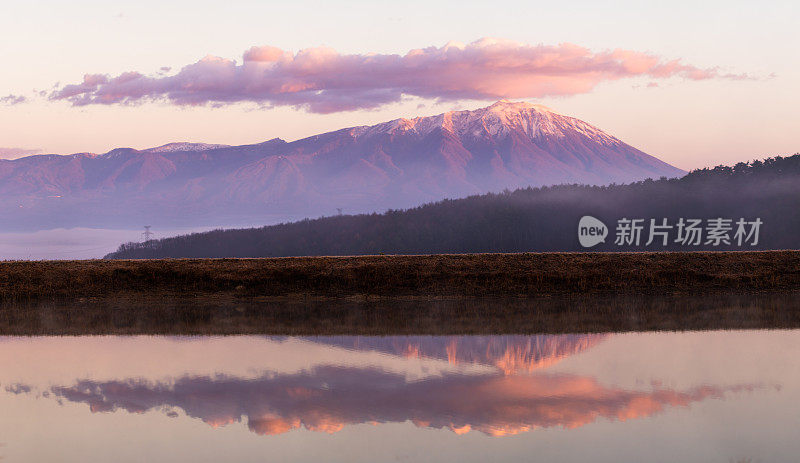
482, 293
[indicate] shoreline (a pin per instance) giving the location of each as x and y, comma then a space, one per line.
397, 276
223, 315
384, 295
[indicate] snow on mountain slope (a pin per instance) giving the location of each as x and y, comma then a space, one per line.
183, 146
496, 120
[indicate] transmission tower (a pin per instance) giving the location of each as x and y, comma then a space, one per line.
148, 235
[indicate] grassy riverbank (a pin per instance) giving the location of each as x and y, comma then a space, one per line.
444, 294
451, 276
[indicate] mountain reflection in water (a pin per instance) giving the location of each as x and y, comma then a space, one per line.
514, 394
511, 354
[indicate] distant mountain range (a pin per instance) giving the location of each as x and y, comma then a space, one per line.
397, 164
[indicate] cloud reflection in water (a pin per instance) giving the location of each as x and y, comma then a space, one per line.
327, 398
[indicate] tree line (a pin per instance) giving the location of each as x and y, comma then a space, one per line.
530, 220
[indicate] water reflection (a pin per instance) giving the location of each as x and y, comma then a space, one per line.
511, 354
487, 386
329, 398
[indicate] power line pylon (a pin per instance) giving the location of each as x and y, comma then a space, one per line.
148, 235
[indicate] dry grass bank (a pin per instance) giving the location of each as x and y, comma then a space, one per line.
443, 294
452, 276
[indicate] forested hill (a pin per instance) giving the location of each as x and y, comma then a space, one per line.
748, 206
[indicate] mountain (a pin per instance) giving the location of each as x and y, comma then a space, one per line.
397, 164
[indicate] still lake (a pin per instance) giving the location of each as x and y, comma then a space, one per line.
713, 396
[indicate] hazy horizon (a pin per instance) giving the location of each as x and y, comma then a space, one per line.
75, 243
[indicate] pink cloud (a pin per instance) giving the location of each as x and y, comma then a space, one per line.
12, 100
323, 80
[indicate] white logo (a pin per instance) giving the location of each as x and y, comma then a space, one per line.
718, 231
591, 231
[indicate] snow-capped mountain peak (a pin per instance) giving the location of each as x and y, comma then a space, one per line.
183, 146
506, 107
498, 120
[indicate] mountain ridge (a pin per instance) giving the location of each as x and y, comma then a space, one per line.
395, 164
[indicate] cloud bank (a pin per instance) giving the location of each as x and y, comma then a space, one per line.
322, 80
11, 100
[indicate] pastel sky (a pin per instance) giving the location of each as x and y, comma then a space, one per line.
695, 83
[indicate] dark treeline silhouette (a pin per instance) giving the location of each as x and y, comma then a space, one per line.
530, 220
